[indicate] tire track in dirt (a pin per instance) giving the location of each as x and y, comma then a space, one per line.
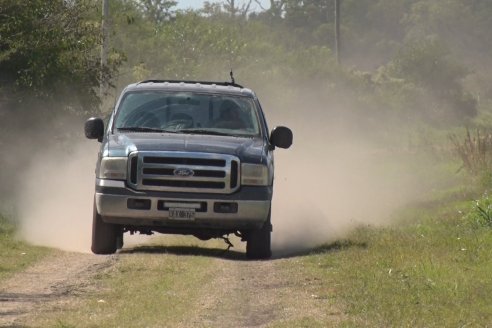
239, 294
259, 294
51, 282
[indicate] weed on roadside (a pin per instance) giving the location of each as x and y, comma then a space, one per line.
474, 150
480, 213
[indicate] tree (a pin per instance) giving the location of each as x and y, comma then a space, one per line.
276, 9
232, 7
157, 11
49, 50
429, 65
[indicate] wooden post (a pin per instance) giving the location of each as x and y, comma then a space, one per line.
337, 31
104, 45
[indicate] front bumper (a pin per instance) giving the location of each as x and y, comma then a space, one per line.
113, 203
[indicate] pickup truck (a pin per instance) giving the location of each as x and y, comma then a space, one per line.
185, 157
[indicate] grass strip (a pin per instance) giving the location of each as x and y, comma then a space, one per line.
145, 288
16, 255
434, 272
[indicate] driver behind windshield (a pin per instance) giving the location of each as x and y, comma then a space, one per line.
229, 116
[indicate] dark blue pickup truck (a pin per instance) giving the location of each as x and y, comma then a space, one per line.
185, 157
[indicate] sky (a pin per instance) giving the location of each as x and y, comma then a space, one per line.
185, 4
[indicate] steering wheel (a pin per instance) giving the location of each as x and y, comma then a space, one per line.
179, 124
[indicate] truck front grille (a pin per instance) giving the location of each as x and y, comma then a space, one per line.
183, 172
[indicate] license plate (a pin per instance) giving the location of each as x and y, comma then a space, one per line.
183, 214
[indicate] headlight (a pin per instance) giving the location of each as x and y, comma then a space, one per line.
113, 168
254, 174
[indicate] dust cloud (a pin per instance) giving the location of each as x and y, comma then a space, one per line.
331, 181
55, 204
334, 179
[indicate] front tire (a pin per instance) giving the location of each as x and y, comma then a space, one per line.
104, 235
258, 242
119, 239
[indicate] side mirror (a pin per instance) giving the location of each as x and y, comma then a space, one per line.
281, 136
94, 128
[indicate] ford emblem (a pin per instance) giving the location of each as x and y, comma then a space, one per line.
183, 172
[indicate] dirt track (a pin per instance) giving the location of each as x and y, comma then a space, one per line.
49, 283
248, 293
257, 294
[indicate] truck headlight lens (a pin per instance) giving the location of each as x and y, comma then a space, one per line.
254, 174
113, 168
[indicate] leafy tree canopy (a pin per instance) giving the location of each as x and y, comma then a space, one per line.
49, 50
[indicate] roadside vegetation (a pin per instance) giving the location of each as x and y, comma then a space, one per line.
432, 271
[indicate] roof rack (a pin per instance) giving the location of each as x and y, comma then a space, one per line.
232, 84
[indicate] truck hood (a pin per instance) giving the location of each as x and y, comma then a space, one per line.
251, 150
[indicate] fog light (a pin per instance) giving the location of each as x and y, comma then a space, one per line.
225, 207
138, 204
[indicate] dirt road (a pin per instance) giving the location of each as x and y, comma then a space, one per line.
49, 283
258, 294
248, 293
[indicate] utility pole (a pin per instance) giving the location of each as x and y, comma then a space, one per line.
337, 31
104, 46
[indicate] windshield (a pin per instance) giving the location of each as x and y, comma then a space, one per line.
187, 112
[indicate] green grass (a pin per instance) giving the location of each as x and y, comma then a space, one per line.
158, 286
15, 255
433, 271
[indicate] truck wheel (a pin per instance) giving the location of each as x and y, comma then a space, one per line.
258, 242
119, 239
104, 235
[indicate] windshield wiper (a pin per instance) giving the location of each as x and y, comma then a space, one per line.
204, 131
143, 129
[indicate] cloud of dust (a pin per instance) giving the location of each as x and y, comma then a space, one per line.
332, 180
54, 206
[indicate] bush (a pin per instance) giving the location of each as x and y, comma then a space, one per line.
480, 213
475, 151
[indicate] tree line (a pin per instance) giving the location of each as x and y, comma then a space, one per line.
429, 57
